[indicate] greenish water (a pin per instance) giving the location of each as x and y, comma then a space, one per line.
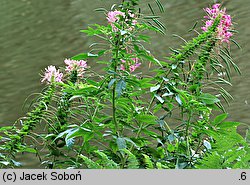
38, 33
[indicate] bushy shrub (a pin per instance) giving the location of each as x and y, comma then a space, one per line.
125, 118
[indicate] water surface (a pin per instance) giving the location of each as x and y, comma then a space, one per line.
35, 34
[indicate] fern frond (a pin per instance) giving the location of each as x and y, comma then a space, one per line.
148, 162
106, 162
132, 162
90, 163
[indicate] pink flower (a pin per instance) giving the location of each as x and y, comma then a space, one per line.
122, 67
52, 75
132, 66
216, 6
76, 65
223, 29
134, 22
113, 16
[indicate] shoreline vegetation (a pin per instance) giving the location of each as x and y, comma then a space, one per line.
123, 119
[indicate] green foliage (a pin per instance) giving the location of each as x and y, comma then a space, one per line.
148, 162
132, 161
123, 118
102, 162
230, 150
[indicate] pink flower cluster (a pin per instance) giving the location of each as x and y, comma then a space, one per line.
76, 65
52, 75
132, 67
223, 30
132, 16
113, 16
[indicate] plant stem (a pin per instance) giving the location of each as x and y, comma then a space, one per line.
187, 133
116, 58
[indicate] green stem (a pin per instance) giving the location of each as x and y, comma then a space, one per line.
187, 133
114, 87
114, 111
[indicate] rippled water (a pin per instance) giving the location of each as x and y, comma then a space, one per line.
35, 33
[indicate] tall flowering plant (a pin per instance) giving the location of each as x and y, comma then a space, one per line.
123, 118
223, 30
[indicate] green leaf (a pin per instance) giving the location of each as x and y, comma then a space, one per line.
178, 99
80, 131
160, 6
84, 56
151, 9
106, 162
170, 148
159, 24
151, 59
155, 88
18, 164
208, 99
101, 10
181, 165
145, 83
207, 145
146, 118
159, 98
90, 163
87, 136
236, 43
70, 142
6, 128
225, 125
168, 94
220, 118
121, 143
120, 86
132, 160
145, 38
111, 83
30, 150
193, 27
130, 141
148, 161
6, 163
